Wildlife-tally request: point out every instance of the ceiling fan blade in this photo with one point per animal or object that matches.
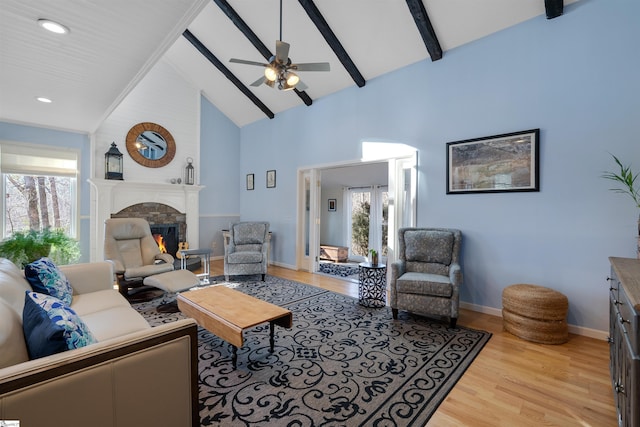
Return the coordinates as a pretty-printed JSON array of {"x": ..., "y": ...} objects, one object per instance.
[
  {"x": 310, "y": 66},
  {"x": 301, "y": 86},
  {"x": 243, "y": 61},
  {"x": 282, "y": 52},
  {"x": 259, "y": 81}
]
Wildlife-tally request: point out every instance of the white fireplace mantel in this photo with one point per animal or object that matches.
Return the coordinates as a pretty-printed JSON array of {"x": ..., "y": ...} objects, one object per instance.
[{"x": 111, "y": 196}]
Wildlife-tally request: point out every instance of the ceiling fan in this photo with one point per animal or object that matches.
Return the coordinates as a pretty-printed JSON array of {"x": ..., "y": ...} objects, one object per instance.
[{"x": 279, "y": 72}]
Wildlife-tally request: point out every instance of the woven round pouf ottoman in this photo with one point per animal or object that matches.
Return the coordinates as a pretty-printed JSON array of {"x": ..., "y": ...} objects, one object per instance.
[{"x": 535, "y": 313}]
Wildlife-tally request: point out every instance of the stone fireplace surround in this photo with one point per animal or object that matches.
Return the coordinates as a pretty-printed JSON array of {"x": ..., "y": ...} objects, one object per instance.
[{"x": 109, "y": 197}]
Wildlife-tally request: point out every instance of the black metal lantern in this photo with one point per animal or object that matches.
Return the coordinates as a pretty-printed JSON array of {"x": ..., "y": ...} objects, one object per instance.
[
  {"x": 189, "y": 172},
  {"x": 113, "y": 163}
]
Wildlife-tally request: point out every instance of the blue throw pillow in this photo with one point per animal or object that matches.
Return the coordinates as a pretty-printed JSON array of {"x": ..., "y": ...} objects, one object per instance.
[
  {"x": 46, "y": 278},
  {"x": 51, "y": 327}
]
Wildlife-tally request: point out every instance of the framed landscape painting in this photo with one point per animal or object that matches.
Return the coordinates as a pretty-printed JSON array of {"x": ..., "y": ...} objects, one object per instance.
[{"x": 494, "y": 164}]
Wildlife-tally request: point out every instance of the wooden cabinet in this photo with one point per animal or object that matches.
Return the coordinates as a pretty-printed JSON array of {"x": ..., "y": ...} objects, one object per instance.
[{"x": 624, "y": 338}]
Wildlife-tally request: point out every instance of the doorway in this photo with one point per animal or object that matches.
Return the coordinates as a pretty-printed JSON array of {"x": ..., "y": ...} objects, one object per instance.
[{"x": 329, "y": 214}]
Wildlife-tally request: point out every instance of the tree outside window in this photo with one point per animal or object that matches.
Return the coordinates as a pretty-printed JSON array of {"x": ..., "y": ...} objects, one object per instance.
[
  {"x": 361, "y": 222},
  {"x": 38, "y": 203}
]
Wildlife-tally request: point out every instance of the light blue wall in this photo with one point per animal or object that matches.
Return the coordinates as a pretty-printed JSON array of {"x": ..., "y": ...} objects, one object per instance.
[
  {"x": 220, "y": 160},
  {"x": 574, "y": 77},
  {"x": 57, "y": 138},
  {"x": 332, "y": 223}
]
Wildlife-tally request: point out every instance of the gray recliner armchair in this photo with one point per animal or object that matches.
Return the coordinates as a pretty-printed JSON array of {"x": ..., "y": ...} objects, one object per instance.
[
  {"x": 130, "y": 246},
  {"x": 427, "y": 277},
  {"x": 246, "y": 250}
]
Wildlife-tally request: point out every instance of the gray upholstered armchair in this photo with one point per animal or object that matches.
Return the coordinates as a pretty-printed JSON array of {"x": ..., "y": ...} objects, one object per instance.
[
  {"x": 246, "y": 250},
  {"x": 427, "y": 277},
  {"x": 130, "y": 246}
]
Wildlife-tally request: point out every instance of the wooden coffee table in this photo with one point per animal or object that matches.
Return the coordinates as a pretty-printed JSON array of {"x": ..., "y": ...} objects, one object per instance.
[{"x": 227, "y": 313}]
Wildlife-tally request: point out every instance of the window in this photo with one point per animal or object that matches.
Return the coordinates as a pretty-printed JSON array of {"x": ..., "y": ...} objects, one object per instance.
[
  {"x": 368, "y": 209},
  {"x": 39, "y": 185}
]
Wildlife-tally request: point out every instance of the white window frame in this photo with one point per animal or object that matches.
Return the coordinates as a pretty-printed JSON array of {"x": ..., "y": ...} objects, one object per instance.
[{"x": 31, "y": 159}]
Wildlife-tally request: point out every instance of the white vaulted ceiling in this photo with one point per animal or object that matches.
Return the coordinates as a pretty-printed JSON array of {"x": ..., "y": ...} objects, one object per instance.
[{"x": 112, "y": 44}]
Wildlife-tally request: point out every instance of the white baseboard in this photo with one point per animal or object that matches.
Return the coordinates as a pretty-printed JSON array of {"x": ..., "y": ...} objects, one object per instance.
[
  {"x": 283, "y": 265},
  {"x": 482, "y": 309},
  {"x": 574, "y": 329}
]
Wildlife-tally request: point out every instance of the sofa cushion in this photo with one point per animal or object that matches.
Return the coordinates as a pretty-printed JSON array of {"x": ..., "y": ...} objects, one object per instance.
[
  {"x": 432, "y": 246},
  {"x": 246, "y": 233},
  {"x": 13, "y": 285},
  {"x": 46, "y": 278},
  {"x": 115, "y": 322},
  {"x": 424, "y": 284},
  {"x": 244, "y": 257},
  {"x": 13, "y": 349},
  {"x": 51, "y": 327},
  {"x": 92, "y": 302}
]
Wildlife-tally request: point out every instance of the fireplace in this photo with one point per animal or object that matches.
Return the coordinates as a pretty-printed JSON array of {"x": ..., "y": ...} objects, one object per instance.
[
  {"x": 163, "y": 204},
  {"x": 167, "y": 236}
]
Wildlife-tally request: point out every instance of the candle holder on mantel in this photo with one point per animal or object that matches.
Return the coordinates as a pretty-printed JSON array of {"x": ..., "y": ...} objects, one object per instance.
[
  {"x": 189, "y": 172},
  {"x": 113, "y": 163}
]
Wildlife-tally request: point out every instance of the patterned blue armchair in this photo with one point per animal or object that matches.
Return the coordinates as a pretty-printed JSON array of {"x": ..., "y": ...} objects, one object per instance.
[
  {"x": 427, "y": 277},
  {"x": 246, "y": 250}
]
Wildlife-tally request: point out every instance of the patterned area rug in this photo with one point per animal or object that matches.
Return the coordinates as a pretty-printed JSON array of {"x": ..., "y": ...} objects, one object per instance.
[
  {"x": 341, "y": 363},
  {"x": 343, "y": 270}
]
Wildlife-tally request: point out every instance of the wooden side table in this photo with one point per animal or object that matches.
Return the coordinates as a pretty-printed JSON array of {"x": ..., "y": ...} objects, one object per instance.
[{"x": 372, "y": 285}]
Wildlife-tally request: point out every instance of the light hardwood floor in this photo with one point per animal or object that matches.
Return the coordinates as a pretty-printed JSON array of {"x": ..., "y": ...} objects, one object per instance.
[{"x": 512, "y": 382}]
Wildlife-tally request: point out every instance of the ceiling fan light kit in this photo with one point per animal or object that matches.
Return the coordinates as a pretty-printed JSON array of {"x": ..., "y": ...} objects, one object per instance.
[
  {"x": 292, "y": 79},
  {"x": 271, "y": 74},
  {"x": 277, "y": 72}
]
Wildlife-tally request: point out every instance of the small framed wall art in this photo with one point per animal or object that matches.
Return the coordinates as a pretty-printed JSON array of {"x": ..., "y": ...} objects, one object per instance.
[
  {"x": 250, "y": 181},
  {"x": 271, "y": 179},
  {"x": 332, "y": 205},
  {"x": 494, "y": 164}
]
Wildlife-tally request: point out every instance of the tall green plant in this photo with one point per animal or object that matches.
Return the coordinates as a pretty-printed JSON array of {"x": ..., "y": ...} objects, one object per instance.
[
  {"x": 24, "y": 247},
  {"x": 626, "y": 179},
  {"x": 360, "y": 229}
]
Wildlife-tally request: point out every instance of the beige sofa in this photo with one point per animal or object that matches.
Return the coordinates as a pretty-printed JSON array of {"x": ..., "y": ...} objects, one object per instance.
[{"x": 134, "y": 375}]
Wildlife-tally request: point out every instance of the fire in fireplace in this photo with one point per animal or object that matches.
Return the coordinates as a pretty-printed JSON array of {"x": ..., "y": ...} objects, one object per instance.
[
  {"x": 166, "y": 236},
  {"x": 160, "y": 241}
]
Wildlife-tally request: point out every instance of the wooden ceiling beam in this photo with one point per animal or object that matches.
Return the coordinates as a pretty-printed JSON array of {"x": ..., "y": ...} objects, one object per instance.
[
  {"x": 554, "y": 8},
  {"x": 255, "y": 40},
  {"x": 419, "y": 13},
  {"x": 333, "y": 41},
  {"x": 227, "y": 73}
]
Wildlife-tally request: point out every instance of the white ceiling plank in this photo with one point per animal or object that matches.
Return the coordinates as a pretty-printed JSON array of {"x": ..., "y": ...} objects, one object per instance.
[{"x": 112, "y": 45}]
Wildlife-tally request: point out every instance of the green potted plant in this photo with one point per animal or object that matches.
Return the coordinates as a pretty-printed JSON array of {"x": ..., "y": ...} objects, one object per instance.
[
  {"x": 24, "y": 247},
  {"x": 626, "y": 180},
  {"x": 374, "y": 256}
]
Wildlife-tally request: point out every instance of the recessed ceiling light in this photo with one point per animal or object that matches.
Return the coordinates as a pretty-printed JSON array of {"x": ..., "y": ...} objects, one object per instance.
[
  {"x": 45, "y": 100},
  {"x": 53, "y": 26}
]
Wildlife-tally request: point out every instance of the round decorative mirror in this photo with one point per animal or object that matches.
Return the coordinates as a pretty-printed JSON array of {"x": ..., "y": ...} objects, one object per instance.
[{"x": 151, "y": 145}]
